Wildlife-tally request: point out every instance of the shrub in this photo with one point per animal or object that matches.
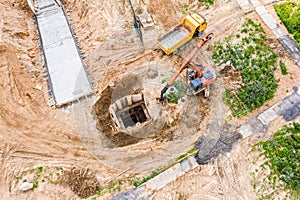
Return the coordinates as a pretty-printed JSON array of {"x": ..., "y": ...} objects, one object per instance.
[
  {"x": 208, "y": 2},
  {"x": 289, "y": 14},
  {"x": 174, "y": 97},
  {"x": 251, "y": 56},
  {"x": 283, "y": 68},
  {"x": 282, "y": 155}
]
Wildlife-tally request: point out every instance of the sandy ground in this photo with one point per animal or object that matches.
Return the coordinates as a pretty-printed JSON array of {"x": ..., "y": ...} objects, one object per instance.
[
  {"x": 32, "y": 134},
  {"x": 232, "y": 176}
]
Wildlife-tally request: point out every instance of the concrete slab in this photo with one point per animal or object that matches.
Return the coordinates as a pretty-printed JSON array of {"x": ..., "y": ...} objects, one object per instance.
[
  {"x": 68, "y": 77},
  {"x": 283, "y": 106},
  {"x": 267, "y": 116},
  {"x": 289, "y": 44},
  {"x": 251, "y": 127},
  {"x": 256, "y": 3},
  {"x": 54, "y": 29},
  {"x": 298, "y": 91},
  {"x": 245, "y": 130},
  {"x": 269, "y": 20},
  {"x": 192, "y": 161},
  {"x": 261, "y": 10},
  {"x": 189, "y": 164},
  {"x": 185, "y": 165},
  {"x": 244, "y": 4},
  {"x": 278, "y": 32},
  {"x": 294, "y": 98},
  {"x": 164, "y": 178}
]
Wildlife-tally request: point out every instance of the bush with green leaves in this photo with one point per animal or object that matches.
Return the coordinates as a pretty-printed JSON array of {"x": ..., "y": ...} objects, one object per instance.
[
  {"x": 174, "y": 97},
  {"x": 282, "y": 157},
  {"x": 283, "y": 68},
  {"x": 289, "y": 14},
  {"x": 249, "y": 54},
  {"x": 208, "y": 2}
]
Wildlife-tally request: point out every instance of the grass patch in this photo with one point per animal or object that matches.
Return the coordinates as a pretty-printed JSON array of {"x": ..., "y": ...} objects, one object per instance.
[
  {"x": 164, "y": 80},
  {"x": 191, "y": 152},
  {"x": 289, "y": 14},
  {"x": 174, "y": 97},
  {"x": 282, "y": 155},
  {"x": 249, "y": 54},
  {"x": 139, "y": 181},
  {"x": 283, "y": 68},
  {"x": 208, "y": 2}
]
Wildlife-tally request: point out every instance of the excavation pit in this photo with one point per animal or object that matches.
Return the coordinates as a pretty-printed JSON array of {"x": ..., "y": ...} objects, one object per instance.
[{"x": 129, "y": 111}]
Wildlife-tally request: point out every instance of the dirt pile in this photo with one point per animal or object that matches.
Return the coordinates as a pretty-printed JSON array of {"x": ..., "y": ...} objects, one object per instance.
[
  {"x": 232, "y": 78},
  {"x": 31, "y": 132},
  {"x": 82, "y": 182},
  {"x": 209, "y": 149},
  {"x": 164, "y": 12}
]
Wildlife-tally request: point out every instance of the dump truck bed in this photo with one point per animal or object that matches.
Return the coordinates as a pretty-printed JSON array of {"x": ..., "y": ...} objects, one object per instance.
[
  {"x": 182, "y": 33},
  {"x": 173, "y": 37}
]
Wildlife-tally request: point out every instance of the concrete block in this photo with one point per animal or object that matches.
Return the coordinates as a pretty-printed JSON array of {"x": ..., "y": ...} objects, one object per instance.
[
  {"x": 278, "y": 32},
  {"x": 137, "y": 98},
  {"x": 245, "y": 5},
  {"x": 252, "y": 126},
  {"x": 192, "y": 161},
  {"x": 298, "y": 91},
  {"x": 245, "y": 130},
  {"x": 129, "y": 100},
  {"x": 294, "y": 98},
  {"x": 124, "y": 102},
  {"x": 269, "y": 20},
  {"x": 164, "y": 178},
  {"x": 261, "y": 10},
  {"x": 283, "y": 106},
  {"x": 185, "y": 165},
  {"x": 267, "y": 116},
  {"x": 256, "y": 3},
  {"x": 119, "y": 104}
]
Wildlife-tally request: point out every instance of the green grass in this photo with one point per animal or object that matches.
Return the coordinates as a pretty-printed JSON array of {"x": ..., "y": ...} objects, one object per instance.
[
  {"x": 256, "y": 62},
  {"x": 283, "y": 68},
  {"x": 282, "y": 158},
  {"x": 289, "y": 14},
  {"x": 139, "y": 181},
  {"x": 208, "y": 2},
  {"x": 174, "y": 97},
  {"x": 191, "y": 152}
]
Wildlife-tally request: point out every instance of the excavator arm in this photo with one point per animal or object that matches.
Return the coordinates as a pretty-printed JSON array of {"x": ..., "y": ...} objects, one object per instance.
[{"x": 184, "y": 65}]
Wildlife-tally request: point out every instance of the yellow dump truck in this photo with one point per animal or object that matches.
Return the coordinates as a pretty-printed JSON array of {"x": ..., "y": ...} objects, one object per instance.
[{"x": 191, "y": 25}]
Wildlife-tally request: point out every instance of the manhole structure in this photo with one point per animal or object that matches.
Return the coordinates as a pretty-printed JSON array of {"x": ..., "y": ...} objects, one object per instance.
[{"x": 125, "y": 127}]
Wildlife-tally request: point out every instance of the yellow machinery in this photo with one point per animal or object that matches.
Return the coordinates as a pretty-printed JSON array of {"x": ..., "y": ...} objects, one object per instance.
[{"x": 192, "y": 25}]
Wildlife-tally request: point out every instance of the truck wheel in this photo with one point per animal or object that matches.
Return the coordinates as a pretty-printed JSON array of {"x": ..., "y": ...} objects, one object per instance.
[{"x": 198, "y": 34}]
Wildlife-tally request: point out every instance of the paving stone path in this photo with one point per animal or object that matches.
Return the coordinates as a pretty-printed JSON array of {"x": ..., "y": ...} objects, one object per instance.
[
  {"x": 288, "y": 43},
  {"x": 288, "y": 108}
]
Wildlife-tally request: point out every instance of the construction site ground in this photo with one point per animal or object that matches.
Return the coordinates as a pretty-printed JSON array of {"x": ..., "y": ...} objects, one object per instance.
[{"x": 34, "y": 135}]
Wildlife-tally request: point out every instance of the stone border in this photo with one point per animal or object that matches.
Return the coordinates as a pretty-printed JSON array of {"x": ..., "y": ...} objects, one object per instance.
[
  {"x": 285, "y": 40},
  {"x": 287, "y": 107}
]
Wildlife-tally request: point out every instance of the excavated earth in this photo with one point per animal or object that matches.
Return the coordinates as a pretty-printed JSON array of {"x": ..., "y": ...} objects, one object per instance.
[{"x": 80, "y": 138}]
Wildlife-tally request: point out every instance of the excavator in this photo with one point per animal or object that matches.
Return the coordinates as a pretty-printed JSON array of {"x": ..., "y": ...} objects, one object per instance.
[{"x": 200, "y": 77}]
